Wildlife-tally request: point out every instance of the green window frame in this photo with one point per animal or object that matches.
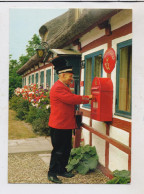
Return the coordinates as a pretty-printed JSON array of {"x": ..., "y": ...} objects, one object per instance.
[
  {"x": 42, "y": 78},
  {"x": 123, "y": 105},
  {"x": 22, "y": 82},
  {"x": 33, "y": 78},
  {"x": 29, "y": 79},
  {"x": 93, "y": 68},
  {"x": 25, "y": 81},
  {"x": 48, "y": 78},
  {"x": 37, "y": 78}
]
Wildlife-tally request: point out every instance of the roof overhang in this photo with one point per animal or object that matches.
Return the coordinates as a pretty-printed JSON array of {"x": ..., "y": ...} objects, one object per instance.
[
  {"x": 35, "y": 60},
  {"x": 64, "y": 52}
]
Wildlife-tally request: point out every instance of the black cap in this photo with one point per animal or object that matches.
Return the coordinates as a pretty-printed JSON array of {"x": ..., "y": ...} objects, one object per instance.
[{"x": 61, "y": 65}]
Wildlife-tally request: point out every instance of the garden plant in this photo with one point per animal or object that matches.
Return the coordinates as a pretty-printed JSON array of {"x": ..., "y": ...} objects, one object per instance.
[
  {"x": 32, "y": 105},
  {"x": 120, "y": 177},
  {"x": 83, "y": 159}
]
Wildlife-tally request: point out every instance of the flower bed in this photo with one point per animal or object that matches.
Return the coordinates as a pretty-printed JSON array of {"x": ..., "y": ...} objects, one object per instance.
[
  {"x": 36, "y": 96},
  {"x": 32, "y": 105}
]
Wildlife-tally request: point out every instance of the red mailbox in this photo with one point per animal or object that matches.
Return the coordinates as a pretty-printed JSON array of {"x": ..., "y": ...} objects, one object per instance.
[{"x": 101, "y": 105}]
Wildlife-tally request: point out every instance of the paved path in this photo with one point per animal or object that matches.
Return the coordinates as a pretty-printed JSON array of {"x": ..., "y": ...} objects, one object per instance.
[
  {"x": 39, "y": 144},
  {"x": 25, "y": 163}
]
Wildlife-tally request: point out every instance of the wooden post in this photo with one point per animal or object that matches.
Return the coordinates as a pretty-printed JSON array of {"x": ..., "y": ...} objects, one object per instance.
[
  {"x": 107, "y": 147},
  {"x": 90, "y": 133},
  {"x": 77, "y": 138}
]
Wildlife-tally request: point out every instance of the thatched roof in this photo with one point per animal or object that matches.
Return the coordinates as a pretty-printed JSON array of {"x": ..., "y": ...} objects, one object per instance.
[{"x": 64, "y": 29}]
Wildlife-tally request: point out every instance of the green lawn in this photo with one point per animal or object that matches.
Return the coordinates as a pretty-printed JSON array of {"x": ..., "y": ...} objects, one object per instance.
[{"x": 19, "y": 129}]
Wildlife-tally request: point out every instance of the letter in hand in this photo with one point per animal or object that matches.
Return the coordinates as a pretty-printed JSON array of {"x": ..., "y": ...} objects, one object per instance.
[{"x": 90, "y": 97}]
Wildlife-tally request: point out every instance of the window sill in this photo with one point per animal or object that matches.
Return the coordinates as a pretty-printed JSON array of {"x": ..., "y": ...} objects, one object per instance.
[
  {"x": 86, "y": 106},
  {"x": 123, "y": 115}
]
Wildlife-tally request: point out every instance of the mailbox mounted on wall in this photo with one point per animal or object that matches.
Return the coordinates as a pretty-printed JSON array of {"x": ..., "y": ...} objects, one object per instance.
[{"x": 101, "y": 105}]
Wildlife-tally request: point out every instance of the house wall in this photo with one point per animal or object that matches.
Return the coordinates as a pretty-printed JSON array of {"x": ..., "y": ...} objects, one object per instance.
[
  {"x": 39, "y": 69},
  {"x": 93, "y": 41}
]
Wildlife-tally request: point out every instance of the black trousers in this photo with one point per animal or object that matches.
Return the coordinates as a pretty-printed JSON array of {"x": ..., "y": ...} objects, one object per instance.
[{"x": 62, "y": 144}]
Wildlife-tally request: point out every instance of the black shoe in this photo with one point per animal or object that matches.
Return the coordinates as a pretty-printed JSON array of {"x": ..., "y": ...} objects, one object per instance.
[
  {"x": 66, "y": 174},
  {"x": 54, "y": 179}
]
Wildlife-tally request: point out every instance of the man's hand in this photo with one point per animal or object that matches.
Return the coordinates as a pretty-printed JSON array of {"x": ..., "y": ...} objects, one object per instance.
[{"x": 90, "y": 97}]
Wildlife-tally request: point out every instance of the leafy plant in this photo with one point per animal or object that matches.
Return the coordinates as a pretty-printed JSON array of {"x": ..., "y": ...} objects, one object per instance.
[
  {"x": 120, "y": 177},
  {"x": 20, "y": 105},
  {"x": 83, "y": 159},
  {"x": 32, "y": 114}
]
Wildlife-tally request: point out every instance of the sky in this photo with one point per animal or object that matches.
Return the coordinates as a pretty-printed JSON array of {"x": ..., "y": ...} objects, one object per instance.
[{"x": 24, "y": 23}]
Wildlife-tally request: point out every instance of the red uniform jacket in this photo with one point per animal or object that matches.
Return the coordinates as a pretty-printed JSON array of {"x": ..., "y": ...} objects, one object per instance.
[{"x": 62, "y": 102}]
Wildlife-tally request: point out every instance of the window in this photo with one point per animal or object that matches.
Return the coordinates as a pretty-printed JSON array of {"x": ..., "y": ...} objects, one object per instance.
[
  {"x": 22, "y": 82},
  {"x": 29, "y": 80},
  {"x": 36, "y": 78},
  {"x": 93, "y": 68},
  {"x": 48, "y": 78},
  {"x": 42, "y": 78},
  {"x": 124, "y": 79},
  {"x": 33, "y": 78}
]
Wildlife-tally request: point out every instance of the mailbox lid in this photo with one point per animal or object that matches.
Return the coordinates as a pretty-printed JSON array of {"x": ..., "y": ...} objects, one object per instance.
[{"x": 102, "y": 84}]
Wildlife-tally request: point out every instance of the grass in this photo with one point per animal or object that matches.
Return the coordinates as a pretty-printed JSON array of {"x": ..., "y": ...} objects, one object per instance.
[{"x": 19, "y": 129}]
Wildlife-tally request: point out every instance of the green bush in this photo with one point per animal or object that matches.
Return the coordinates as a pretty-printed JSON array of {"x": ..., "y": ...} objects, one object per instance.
[
  {"x": 37, "y": 116},
  {"x": 32, "y": 114},
  {"x": 13, "y": 102},
  {"x": 40, "y": 123},
  {"x": 20, "y": 105},
  {"x": 83, "y": 159},
  {"x": 120, "y": 177}
]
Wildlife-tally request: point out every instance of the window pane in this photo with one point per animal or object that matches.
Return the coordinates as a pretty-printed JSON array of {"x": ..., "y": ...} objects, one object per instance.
[
  {"x": 48, "y": 78},
  {"x": 42, "y": 78},
  {"x": 29, "y": 80},
  {"x": 32, "y": 78},
  {"x": 88, "y": 76},
  {"x": 36, "y": 78},
  {"x": 125, "y": 78},
  {"x": 97, "y": 65}
]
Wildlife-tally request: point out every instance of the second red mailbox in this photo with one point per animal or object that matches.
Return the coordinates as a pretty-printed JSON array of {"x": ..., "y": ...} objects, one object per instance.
[{"x": 101, "y": 105}]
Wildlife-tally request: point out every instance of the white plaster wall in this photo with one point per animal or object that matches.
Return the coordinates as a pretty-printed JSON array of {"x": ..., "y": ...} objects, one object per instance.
[
  {"x": 82, "y": 79},
  {"x": 38, "y": 78},
  {"x": 91, "y": 36},
  {"x": 98, "y": 142},
  {"x": 118, "y": 160},
  {"x": 113, "y": 74},
  {"x": 27, "y": 80},
  {"x": 85, "y": 133},
  {"x": 99, "y": 126},
  {"x": 120, "y": 19},
  {"x": 82, "y": 75},
  {"x": 100, "y": 148},
  {"x": 119, "y": 135}
]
